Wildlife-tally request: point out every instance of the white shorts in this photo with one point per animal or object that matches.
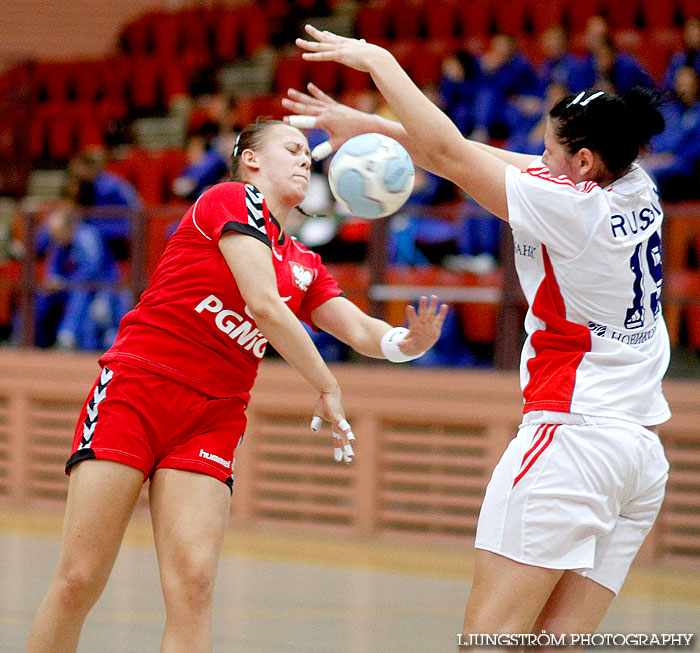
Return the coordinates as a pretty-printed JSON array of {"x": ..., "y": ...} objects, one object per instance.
[{"x": 579, "y": 496}]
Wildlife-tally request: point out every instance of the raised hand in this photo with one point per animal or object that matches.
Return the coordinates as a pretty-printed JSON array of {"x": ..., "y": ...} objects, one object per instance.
[
  {"x": 319, "y": 110},
  {"x": 355, "y": 53},
  {"x": 424, "y": 326}
]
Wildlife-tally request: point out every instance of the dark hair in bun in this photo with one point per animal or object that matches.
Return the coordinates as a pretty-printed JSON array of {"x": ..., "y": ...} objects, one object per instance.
[{"x": 615, "y": 127}]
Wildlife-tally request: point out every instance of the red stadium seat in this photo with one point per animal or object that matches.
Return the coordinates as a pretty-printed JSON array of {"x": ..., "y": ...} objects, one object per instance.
[
  {"x": 252, "y": 107},
  {"x": 37, "y": 137},
  {"x": 325, "y": 74},
  {"x": 255, "y": 34},
  {"x": 123, "y": 167},
  {"x": 166, "y": 36},
  {"x": 226, "y": 30},
  {"x": 290, "y": 72},
  {"x": 621, "y": 14},
  {"x": 172, "y": 163},
  {"x": 90, "y": 133},
  {"x": 352, "y": 80},
  {"x": 61, "y": 136},
  {"x": 173, "y": 81},
  {"x": 425, "y": 63},
  {"x": 51, "y": 81},
  {"x": 405, "y": 20},
  {"x": 441, "y": 20},
  {"x": 372, "y": 22},
  {"x": 148, "y": 178},
  {"x": 690, "y": 9},
  {"x": 547, "y": 14},
  {"x": 511, "y": 16},
  {"x": 655, "y": 55},
  {"x": 577, "y": 14},
  {"x": 658, "y": 15},
  {"x": 143, "y": 83},
  {"x": 86, "y": 80},
  {"x": 137, "y": 36},
  {"x": 193, "y": 25},
  {"x": 473, "y": 17}
]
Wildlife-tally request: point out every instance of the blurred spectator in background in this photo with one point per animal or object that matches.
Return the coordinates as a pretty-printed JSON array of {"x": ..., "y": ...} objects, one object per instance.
[
  {"x": 460, "y": 83},
  {"x": 688, "y": 56},
  {"x": 206, "y": 164},
  {"x": 92, "y": 186},
  {"x": 615, "y": 71},
  {"x": 67, "y": 313},
  {"x": 607, "y": 68},
  {"x": 527, "y": 130},
  {"x": 508, "y": 76},
  {"x": 675, "y": 158},
  {"x": 560, "y": 66}
]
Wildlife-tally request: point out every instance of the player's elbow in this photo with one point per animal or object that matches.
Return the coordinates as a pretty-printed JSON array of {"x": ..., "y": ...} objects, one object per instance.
[
  {"x": 264, "y": 306},
  {"x": 442, "y": 156}
]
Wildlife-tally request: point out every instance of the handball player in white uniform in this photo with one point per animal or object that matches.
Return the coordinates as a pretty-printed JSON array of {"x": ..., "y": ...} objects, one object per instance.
[{"x": 579, "y": 487}]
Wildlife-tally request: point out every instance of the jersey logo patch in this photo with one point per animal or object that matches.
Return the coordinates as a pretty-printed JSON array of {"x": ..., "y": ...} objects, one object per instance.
[
  {"x": 254, "y": 204},
  {"x": 301, "y": 276}
]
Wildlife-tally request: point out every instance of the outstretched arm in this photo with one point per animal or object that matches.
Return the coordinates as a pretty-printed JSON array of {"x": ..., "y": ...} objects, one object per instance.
[
  {"x": 476, "y": 170},
  {"x": 365, "y": 334},
  {"x": 343, "y": 122}
]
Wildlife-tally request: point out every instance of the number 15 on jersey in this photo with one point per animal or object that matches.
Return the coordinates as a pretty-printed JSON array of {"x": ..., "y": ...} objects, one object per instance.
[{"x": 647, "y": 252}]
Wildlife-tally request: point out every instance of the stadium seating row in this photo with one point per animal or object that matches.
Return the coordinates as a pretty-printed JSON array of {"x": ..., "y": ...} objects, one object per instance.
[
  {"x": 218, "y": 33},
  {"x": 151, "y": 173},
  {"x": 398, "y": 19}
]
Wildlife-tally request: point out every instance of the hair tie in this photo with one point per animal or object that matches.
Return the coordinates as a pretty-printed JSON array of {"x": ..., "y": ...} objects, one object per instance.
[
  {"x": 235, "y": 146},
  {"x": 579, "y": 98}
]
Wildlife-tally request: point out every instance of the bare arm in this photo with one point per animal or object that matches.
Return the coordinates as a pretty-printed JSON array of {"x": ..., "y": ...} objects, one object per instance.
[
  {"x": 471, "y": 166},
  {"x": 343, "y": 122},
  {"x": 250, "y": 262},
  {"x": 342, "y": 319}
]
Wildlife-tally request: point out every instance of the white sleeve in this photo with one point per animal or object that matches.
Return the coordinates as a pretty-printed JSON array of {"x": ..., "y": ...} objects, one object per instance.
[{"x": 553, "y": 210}]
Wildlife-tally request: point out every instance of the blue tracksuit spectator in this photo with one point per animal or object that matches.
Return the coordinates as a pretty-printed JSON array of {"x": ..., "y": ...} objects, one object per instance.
[
  {"x": 675, "y": 160},
  {"x": 460, "y": 84},
  {"x": 91, "y": 186},
  {"x": 205, "y": 171},
  {"x": 688, "y": 56},
  {"x": 76, "y": 253},
  {"x": 507, "y": 74},
  {"x": 611, "y": 70},
  {"x": 560, "y": 66}
]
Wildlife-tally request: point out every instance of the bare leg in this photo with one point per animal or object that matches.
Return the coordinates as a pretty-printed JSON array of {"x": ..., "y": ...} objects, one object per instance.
[
  {"x": 506, "y": 596},
  {"x": 190, "y": 516},
  {"x": 577, "y": 605},
  {"x": 101, "y": 498}
]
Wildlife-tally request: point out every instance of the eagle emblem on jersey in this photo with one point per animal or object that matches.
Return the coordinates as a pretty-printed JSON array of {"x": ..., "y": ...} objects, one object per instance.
[
  {"x": 301, "y": 276},
  {"x": 254, "y": 204}
]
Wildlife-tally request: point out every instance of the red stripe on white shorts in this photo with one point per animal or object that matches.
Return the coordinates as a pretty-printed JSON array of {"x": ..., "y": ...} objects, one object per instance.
[{"x": 546, "y": 435}]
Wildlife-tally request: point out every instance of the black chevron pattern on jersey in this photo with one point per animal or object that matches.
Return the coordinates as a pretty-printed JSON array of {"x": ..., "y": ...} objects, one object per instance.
[
  {"x": 254, "y": 204},
  {"x": 92, "y": 408}
]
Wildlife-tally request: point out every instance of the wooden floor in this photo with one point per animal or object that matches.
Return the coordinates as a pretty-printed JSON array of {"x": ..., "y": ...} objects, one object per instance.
[{"x": 280, "y": 592}]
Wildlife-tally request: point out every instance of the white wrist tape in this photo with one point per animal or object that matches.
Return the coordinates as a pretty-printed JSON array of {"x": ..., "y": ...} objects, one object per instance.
[{"x": 390, "y": 346}]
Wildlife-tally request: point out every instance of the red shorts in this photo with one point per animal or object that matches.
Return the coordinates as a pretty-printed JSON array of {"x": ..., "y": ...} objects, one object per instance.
[{"x": 148, "y": 421}]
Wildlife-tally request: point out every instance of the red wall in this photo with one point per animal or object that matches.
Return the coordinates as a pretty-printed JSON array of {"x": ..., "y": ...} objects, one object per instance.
[{"x": 63, "y": 29}]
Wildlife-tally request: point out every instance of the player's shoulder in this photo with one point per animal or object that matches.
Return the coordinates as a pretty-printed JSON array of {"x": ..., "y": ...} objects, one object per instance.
[
  {"x": 299, "y": 249},
  {"x": 224, "y": 190}
]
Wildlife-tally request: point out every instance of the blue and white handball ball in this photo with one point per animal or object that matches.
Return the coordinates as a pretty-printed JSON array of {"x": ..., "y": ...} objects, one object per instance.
[{"x": 371, "y": 175}]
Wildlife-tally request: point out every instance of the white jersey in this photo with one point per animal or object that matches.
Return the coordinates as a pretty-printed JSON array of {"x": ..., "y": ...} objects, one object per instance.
[{"x": 589, "y": 262}]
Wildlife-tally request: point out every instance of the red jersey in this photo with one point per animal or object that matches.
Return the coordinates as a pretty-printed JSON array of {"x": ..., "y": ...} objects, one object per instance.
[{"x": 191, "y": 323}]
